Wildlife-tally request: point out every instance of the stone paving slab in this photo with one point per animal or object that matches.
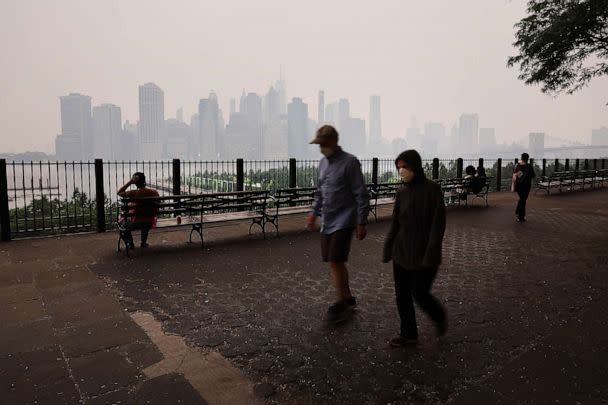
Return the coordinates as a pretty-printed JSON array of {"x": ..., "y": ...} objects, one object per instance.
[{"x": 524, "y": 302}]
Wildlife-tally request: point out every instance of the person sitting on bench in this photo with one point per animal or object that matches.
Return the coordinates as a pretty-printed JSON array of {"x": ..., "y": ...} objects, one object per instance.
[{"x": 141, "y": 216}]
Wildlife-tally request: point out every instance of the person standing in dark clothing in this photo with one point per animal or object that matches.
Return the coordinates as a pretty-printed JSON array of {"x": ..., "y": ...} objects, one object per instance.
[
  {"x": 414, "y": 243},
  {"x": 523, "y": 174}
]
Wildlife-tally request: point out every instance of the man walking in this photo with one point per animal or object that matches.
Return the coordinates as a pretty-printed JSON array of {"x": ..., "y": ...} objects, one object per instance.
[
  {"x": 523, "y": 173},
  {"x": 342, "y": 202}
]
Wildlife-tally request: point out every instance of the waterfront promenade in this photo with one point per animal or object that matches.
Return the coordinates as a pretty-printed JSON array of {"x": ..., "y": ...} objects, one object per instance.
[{"x": 241, "y": 321}]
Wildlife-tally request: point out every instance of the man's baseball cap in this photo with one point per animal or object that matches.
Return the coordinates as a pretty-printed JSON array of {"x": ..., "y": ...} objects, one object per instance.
[{"x": 325, "y": 134}]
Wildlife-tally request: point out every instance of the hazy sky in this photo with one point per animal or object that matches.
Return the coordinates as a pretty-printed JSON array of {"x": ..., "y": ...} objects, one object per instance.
[{"x": 433, "y": 59}]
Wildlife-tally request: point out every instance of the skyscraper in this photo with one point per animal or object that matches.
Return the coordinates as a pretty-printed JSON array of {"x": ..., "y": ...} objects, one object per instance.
[
  {"x": 352, "y": 136},
  {"x": 178, "y": 133},
  {"x": 281, "y": 89},
  {"x": 208, "y": 142},
  {"x": 151, "y": 121},
  {"x": 434, "y": 135},
  {"x": 252, "y": 108},
  {"x": 469, "y": 133},
  {"x": 375, "y": 121},
  {"x": 343, "y": 112},
  {"x": 107, "y": 130},
  {"x": 297, "y": 129},
  {"x": 321, "y": 108},
  {"x": 271, "y": 107},
  {"x": 179, "y": 114},
  {"x": 76, "y": 138},
  {"x": 232, "y": 107}
]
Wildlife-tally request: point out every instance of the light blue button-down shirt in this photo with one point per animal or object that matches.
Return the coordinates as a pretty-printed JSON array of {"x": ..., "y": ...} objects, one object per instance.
[{"x": 341, "y": 199}]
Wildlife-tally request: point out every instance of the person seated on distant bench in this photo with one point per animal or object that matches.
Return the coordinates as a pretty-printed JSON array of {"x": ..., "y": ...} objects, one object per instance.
[
  {"x": 481, "y": 172},
  {"x": 470, "y": 184},
  {"x": 141, "y": 216},
  {"x": 478, "y": 182}
]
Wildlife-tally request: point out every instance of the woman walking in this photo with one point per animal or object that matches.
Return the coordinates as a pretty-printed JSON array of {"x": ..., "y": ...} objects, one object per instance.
[{"x": 414, "y": 244}]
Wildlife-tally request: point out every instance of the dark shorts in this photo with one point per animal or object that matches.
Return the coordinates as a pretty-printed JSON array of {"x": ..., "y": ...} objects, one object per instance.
[{"x": 335, "y": 247}]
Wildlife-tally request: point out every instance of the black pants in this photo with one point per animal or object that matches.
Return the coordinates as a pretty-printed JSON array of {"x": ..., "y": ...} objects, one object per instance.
[
  {"x": 144, "y": 227},
  {"x": 523, "y": 193},
  {"x": 415, "y": 284}
]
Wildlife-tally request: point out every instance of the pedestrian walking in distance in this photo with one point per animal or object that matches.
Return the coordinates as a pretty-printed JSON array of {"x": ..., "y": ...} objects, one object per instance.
[
  {"x": 342, "y": 202},
  {"x": 523, "y": 174},
  {"x": 414, "y": 243}
]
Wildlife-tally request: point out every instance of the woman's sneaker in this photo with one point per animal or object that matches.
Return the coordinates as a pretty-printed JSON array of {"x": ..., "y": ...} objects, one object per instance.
[
  {"x": 351, "y": 302},
  {"x": 402, "y": 341},
  {"x": 338, "y": 312}
]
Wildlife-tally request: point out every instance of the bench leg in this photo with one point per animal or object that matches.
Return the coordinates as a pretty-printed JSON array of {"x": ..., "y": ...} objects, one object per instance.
[
  {"x": 198, "y": 228},
  {"x": 260, "y": 222},
  {"x": 274, "y": 220},
  {"x": 121, "y": 237}
]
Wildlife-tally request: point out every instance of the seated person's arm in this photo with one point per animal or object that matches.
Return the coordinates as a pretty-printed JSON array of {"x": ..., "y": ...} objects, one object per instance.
[{"x": 122, "y": 192}]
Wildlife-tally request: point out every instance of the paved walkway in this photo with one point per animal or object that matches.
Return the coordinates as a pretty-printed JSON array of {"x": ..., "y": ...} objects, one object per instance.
[{"x": 175, "y": 323}]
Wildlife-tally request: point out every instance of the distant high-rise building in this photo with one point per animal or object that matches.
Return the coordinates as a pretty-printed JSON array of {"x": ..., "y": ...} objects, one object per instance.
[
  {"x": 252, "y": 108},
  {"x": 238, "y": 136},
  {"x": 127, "y": 149},
  {"x": 275, "y": 140},
  {"x": 242, "y": 101},
  {"x": 331, "y": 114},
  {"x": 434, "y": 135},
  {"x": 76, "y": 139},
  {"x": 352, "y": 137},
  {"x": 321, "y": 108},
  {"x": 469, "y": 133},
  {"x": 536, "y": 145},
  {"x": 343, "y": 112},
  {"x": 151, "y": 121},
  {"x": 414, "y": 135},
  {"x": 107, "y": 130},
  {"x": 375, "y": 121},
  {"x": 281, "y": 89},
  {"x": 179, "y": 114},
  {"x": 297, "y": 129},
  {"x": 209, "y": 128},
  {"x": 271, "y": 107},
  {"x": 599, "y": 137},
  {"x": 487, "y": 140},
  {"x": 178, "y": 134},
  {"x": 194, "y": 139},
  {"x": 232, "y": 106}
]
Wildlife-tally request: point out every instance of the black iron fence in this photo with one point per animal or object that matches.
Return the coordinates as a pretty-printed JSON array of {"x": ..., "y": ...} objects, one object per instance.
[{"x": 47, "y": 198}]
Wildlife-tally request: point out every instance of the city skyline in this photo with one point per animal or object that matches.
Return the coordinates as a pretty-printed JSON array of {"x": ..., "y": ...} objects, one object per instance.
[{"x": 400, "y": 54}]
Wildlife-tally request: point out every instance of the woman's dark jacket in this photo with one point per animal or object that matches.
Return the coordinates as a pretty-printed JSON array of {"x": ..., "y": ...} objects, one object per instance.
[{"x": 415, "y": 237}]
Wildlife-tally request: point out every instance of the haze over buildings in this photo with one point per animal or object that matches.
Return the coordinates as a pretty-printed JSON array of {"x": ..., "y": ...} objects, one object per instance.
[{"x": 335, "y": 65}]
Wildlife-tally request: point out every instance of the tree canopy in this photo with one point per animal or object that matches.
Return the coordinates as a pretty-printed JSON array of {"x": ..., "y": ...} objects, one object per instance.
[{"x": 562, "y": 44}]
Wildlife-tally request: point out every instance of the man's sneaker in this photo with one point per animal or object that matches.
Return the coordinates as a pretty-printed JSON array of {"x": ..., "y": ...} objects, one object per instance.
[
  {"x": 337, "y": 312},
  {"x": 131, "y": 245},
  {"x": 402, "y": 341},
  {"x": 351, "y": 302},
  {"x": 144, "y": 245}
]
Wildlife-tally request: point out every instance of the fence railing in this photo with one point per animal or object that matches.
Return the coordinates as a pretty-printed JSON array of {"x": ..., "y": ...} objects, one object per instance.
[{"x": 47, "y": 198}]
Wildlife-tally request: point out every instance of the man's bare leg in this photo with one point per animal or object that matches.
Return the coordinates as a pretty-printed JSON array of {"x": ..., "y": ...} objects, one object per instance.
[{"x": 339, "y": 274}]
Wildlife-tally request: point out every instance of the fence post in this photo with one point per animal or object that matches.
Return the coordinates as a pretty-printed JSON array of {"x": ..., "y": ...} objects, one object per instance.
[
  {"x": 240, "y": 175},
  {"x": 100, "y": 196},
  {"x": 480, "y": 162},
  {"x": 567, "y": 165},
  {"x": 603, "y": 163},
  {"x": 556, "y": 168},
  {"x": 498, "y": 174},
  {"x": 459, "y": 168},
  {"x": 5, "y": 218},
  {"x": 594, "y": 164},
  {"x": 544, "y": 173},
  {"x": 435, "y": 169},
  {"x": 177, "y": 177},
  {"x": 293, "y": 170},
  {"x": 375, "y": 171},
  {"x": 577, "y": 163},
  {"x": 586, "y": 164}
]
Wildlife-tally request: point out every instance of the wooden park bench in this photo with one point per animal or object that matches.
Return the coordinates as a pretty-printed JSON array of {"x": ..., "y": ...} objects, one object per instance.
[
  {"x": 196, "y": 212},
  {"x": 458, "y": 190}
]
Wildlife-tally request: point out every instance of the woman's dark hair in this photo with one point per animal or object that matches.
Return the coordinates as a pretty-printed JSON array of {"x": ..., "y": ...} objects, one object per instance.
[
  {"x": 481, "y": 171},
  {"x": 414, "y": 161},
  {"x": 142, "y": 179},
  {"x": 470, "y": 170}
]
